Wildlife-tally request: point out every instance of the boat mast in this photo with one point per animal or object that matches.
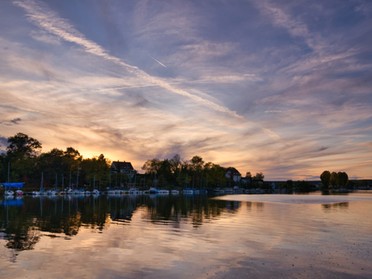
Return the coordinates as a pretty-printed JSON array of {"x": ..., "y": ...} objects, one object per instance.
[
  {"x": 8, "y": 171},
  {"x": 42, "y": 182}
]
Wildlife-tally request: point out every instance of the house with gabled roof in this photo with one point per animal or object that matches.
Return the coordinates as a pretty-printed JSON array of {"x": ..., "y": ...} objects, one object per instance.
[
  {"x": 122, "y": 168},
  {"x": 233, "y": 173}
]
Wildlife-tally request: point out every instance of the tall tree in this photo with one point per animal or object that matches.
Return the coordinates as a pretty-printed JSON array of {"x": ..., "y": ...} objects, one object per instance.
[
  {"x": 95, "y": 172},
  {"x": 22, "y": 146},
  {"x": 72, "y": 159},
  {"x": 259, "y": 177},
  {"x": 151, "y": 168},
  {"x": 325, "y": 178},
  {"x": 51, "y": 164},
  {"x": 21, "y": 156},
  {"x": 343, "y": 179},
  {"x": 72, "y": 153},
  {"x": 196, "y": 166},
  {"x": 215, "y": 175},
  {"x": 248, "y": 176},
  {"x": 175, "y": 164},
  {"x": 333, "y": 180}
]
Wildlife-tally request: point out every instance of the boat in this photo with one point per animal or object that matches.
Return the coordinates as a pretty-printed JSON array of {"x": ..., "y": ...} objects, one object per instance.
[
  {"x": 188, "y": 191},
  {"x": 163, "y": 192},
  {"x": 35, "y": 193},
  {"x": 12, "y": 185},
  {"x": 51, "y": 193},
  {"x": 77, "y": 192},
  {"x": 114, "y": 192},
  {"x": 134, "y": 191},
  {"x": 153, "y": 190},
  {"x": 9, "y": 193},
  {"x": 95, "y": 192},
  {"x": 41, "y": 191},
  {"x": 175, "y": 192},
  {"x": 19, "y": 193}
]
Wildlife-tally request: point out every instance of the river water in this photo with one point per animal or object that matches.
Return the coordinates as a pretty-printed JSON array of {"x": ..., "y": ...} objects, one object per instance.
[{"x": 237, "y": 236}]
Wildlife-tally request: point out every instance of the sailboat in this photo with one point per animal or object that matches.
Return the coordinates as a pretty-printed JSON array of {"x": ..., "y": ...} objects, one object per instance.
[
  {"x": 8, "y": 193},
  {"x": 41, "y": 191}
]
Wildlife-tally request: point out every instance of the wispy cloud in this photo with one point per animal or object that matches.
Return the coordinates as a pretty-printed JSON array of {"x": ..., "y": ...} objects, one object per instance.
[
  {"x": 177, "y": 77},
  {"x": 219, "y": 77},
  {"x": 45, "y": 37},
  {"x": 294, "y": 27},
  {"x": 15, "y": 121},
  {"x": 51, "y": 22}
]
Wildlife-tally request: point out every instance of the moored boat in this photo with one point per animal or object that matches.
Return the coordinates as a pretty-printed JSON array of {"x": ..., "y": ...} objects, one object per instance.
[
  {"x": 188, "y": 191},
  {"x": 19, "y": 193},
  {"x": 9, "y": 193},
  {"x": 134, "y": 191},
  {"x": 175, "y": 192},
  {"x": 95, "y": 192},
  {"x": 163, "y": 192}
]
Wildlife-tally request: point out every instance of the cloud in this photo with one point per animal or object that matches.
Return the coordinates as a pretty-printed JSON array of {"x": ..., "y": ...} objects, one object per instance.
[
  {"x": 221, "y": 77},
  {"x": 15, "y": 121},
  {"x": 323, "y": 148},
  {"x": 11, "y": 122},
  {"x": 299, "y": 76},
  {"x": 52, "y": 23},
  {"x": 296, "y": 28},
  {"x": 318, "y": 62},
  {"x": 45, "y": 37}
]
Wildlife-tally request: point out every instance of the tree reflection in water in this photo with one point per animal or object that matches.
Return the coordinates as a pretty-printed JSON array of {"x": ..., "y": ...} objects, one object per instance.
[
  {"x": 23, "y": 225},
  {"x": 335, "y": 206}
]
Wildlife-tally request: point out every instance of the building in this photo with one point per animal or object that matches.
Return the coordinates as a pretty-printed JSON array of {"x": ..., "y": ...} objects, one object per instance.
[
  {"x": 122, "y": 174},
  {"x": 122, "y": 168},
  {"x": 234, "y": 174}
]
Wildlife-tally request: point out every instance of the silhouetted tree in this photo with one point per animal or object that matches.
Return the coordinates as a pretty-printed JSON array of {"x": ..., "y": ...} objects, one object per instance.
[
  {"x": 214, "y": 175},
  {"x": 196, "y": 167},
  {"x": 343, "y": 179},
  {"x": 259, "y": 177},
  {"x": 334, "y": 179},
  {"x": 22, "y": 146},
  {"x": 302, "y": 186},
  {"x": 95, "y": 171},
  {"x": 151, "y": 168},
  {"x": 20, "y": 156},
  {"x": 289, "y": 186},
  {"x": 325, "y": 178},
  {"x": 248, "y": 176}
]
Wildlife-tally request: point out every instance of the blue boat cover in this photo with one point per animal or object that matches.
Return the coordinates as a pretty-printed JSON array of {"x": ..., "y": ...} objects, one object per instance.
[{"x": 13, "y": 184}]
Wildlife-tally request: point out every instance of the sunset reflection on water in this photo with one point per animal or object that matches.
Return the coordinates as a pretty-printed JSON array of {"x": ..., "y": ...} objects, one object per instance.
[{"x": 187, "y": 238}]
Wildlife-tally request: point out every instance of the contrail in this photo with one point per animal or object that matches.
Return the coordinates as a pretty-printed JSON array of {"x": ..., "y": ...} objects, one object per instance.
[
  {"x": 156, "y": 60},
  {"x": 51, "y": 22}
]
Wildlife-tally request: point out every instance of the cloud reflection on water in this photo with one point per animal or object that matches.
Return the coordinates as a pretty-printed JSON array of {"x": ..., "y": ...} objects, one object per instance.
[{"x": 204, "y": 238}]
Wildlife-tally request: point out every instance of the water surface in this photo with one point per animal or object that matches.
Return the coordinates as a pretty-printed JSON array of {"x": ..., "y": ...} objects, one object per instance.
[{"x": 255, "y": 236}]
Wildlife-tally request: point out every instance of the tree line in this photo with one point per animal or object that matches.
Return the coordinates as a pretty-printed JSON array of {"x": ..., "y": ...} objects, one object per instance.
[
  {"x": 195, "y": 173},
  {"x": 23, "y": 161}
]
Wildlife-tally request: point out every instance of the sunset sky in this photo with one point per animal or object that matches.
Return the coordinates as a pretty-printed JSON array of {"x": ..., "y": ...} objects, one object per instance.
[{"x": 279, "y": 87}]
